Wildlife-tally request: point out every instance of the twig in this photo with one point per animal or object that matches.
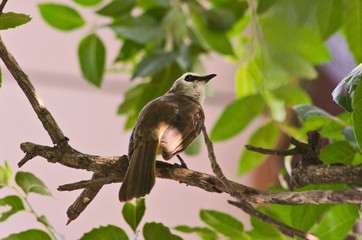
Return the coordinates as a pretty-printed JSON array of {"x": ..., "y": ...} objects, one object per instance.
[
  {"x": 242, "y": 197},
  {"x": 265, "y": 151},
  {"x": 22, "y": 79},
  {"x": 214, "y": 165},
  {"x": 84, "y": 199},
  {"x": 309, "y": 151},
  {"x": 287, "y": 230},
  {"x": 2, "y": 5},
  {"x": 88, "y": 183}
]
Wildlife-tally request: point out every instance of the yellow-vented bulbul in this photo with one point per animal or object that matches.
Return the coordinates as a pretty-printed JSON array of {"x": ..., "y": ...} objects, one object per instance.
[{"x": 166, "y": 125}]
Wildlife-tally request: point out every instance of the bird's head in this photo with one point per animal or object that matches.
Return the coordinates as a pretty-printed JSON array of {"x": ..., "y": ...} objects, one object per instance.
[{"x": 191, "y": 85}]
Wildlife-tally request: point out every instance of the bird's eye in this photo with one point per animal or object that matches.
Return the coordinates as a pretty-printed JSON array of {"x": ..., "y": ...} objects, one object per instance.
[{"x": 188, "y": 78}]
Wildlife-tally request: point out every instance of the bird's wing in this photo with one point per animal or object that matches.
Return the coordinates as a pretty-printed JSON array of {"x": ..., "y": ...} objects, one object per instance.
[{"x": 182, "y": 129}]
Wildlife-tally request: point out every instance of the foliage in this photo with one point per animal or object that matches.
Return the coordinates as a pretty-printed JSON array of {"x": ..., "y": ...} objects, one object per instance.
[
  {"x": 25, "y": 183},
  {"x": 275, "y": 44}
]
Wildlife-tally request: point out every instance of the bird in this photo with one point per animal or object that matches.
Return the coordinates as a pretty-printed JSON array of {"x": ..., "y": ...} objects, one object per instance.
[{"x": 167, "y": 125}]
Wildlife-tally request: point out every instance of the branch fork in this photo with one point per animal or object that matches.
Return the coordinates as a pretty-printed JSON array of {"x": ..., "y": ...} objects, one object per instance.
[{"x": 112, "y": 169}]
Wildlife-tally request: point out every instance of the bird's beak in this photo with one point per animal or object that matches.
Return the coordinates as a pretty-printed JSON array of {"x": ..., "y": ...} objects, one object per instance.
[{"x": 207, "y": 78}]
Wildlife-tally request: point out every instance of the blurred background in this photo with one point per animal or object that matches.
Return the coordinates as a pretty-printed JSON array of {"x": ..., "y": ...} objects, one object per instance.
[{"x": 88, "y": 117}]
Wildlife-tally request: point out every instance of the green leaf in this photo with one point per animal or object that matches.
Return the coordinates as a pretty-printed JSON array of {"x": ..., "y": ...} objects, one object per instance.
[
  {"x": 12, "y": 20},
  {"x": 357, "y": 114},
  {"x": 153, "y": 63},
  {"x": 305, "y": 216},
  {"x": 236, "y": 117},
  {"x": 244, "y": 81},
  {"x": 337, "y": 222},
  {"x": 133, "y": 213},
  {"x": 29, "y": 234},
  {"x": 44, "y": 220},
  {"x": 222, "y": 223},
  {"x": 88, "y": 3},
  {"x": 357, "y": 159},
  {"x": 203, "y": 232},
  {"x": 351, "y": 80},
  {"x": 349, "y": 135},
  {"x": 218, "y": 41},
  {"x": 140, "y": 29},
  {"x": 157, "y": 231},
  {"x": 294, "y": 64},
  {"x": 305, "y": 46},
  {"x": 264, "y": 5},
  {"x": 174, "y": 22},
  {"x": 353, "y": 28},
  {"x": 307, "y": 110},
  {"x": 116, "y": 8},
  {"x": 303, "y": 42},
  {"x": 332, "y": 130},
  {"x": 219, "y": 19},
  {"x": 12, "y": 201},
  {"x": 152, "y": 4},
  {"x": 262, "y": 230},
  {"x": 337, "y": 152},
  {"x": 292, "y": 95},
  {"x": 264, "y": 137},
  {"x": 264, "y": 71},
  {"x": 5, "y": 175},
  {"x": 30, "y": 183},
  {"x": 130, "y": 99},
  {"x": 128, "y": 51},
  {"x": 329, "y": 16},
  {"x": 92, "y": 58},
  {"x": 109, "y": 232},
  {"x": 60, "y": 16}
]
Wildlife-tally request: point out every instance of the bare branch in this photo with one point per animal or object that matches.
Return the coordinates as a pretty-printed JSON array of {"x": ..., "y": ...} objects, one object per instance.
[
  {"x": 84, "y": 199},
  {"x": 287, "y": 230},
  {"x": 326, "y": 174},
  {"x": 2, "y": 5},
  {"x": 112, "y": 169},
  {"x": 265, "y": 151},
  {"x": 22, "y": 79}
]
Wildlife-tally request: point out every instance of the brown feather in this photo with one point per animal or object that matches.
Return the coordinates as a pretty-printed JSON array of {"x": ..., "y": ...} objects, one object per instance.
[{"x": 176, "y": 122}]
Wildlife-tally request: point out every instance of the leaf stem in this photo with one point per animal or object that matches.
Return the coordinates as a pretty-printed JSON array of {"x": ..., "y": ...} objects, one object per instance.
[{"x": 31, "y": 210}]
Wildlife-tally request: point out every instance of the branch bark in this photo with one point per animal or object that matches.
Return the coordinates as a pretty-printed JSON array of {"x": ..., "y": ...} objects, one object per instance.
[
  {"x": 112, "y": 169},
  {"x": 23, "y": 81}
]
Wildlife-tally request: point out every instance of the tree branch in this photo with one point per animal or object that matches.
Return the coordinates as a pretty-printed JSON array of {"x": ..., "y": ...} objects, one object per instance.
[
  {"x": 2, "y": 5},
  {"x": 22, "y": 79},
  {"x": 287, "y": 230},
  {"x": 112, "y": 169},
  {"x": 241, "y": 196},
  {"x": 311, "y": 169}
]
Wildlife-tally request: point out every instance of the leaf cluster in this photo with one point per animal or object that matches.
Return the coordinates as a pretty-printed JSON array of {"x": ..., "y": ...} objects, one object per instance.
[
  {"x": 25, "y": 183},
  {"x": 160, "y": 40}
]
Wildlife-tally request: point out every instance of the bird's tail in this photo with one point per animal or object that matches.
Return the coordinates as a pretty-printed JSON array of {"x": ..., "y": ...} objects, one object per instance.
[{"x": 140, "y": 175}]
